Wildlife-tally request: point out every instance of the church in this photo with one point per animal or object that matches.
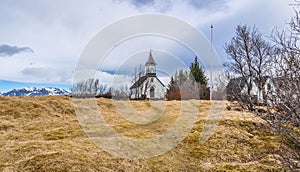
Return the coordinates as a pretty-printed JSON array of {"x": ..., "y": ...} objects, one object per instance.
[{"x": 148, "y": 86}]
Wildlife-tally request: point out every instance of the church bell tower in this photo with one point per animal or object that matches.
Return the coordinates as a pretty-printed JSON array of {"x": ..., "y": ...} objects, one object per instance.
[{"x": 150, "y": 66}]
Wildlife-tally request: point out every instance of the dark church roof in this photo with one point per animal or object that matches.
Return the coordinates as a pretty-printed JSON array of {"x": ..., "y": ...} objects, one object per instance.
[
  {"x": 139, "y": 82},
  {"x": 150, "y": 59},
  {"x": 142, "y": 79}
]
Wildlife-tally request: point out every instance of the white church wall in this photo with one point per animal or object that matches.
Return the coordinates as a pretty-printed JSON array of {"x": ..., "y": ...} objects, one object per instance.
[{"x": 159, "y": 90}]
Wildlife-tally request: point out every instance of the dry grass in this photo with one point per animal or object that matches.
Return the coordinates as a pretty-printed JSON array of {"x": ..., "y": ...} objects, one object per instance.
[{"x": 43, "y": 134}]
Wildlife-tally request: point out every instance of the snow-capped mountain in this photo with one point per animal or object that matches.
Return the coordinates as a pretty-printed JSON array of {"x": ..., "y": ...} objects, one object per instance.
[{"x": 36, "y": 91}]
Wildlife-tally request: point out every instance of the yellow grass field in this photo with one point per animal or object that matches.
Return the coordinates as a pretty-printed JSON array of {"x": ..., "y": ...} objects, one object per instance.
[{"x": 44, "y": 134}]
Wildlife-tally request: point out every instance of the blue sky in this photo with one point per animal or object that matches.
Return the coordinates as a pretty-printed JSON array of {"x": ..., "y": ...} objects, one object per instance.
[{"x": 41, "y": 41}]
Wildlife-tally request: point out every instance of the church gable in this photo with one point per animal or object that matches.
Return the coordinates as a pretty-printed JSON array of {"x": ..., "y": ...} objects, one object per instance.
[{"x": 148, "y": 86}]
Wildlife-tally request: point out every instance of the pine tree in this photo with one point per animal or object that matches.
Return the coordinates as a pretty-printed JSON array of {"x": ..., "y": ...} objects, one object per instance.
[
  {"x": 196, "y": 73},
  {"x": 188, "y": 81},
  {"x": 182, "y": 76}
]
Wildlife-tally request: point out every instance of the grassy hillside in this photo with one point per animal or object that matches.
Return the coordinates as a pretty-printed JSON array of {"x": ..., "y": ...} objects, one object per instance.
[{"x": 43, "y": 134}]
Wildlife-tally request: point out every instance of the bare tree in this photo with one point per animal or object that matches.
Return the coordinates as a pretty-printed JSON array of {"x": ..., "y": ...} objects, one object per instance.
[
  {"x": 287, "y": 100},
  {"x": 88, "y": 88},
  {"x": 138, "y": 79},
  {"x": 248, "y": 58},
  {"x": 140, "y": 75},
  {"x": 121, "y": 93},
  {"x": 252, "y": 58},
  {"x": 102, "y": 89},
  {"x": 135, "y": 79}
]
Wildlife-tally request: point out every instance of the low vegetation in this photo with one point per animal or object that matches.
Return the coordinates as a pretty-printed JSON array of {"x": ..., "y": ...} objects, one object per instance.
[{"x": 43, "y": 134}]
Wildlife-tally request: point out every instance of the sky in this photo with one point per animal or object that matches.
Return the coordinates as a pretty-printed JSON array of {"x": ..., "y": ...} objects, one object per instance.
[{"x": 41, "y": 41}]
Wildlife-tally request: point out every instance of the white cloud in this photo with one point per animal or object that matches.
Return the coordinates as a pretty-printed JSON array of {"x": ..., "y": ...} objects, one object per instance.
[
  {"x": 169, "y": 55},
  {"x": 46, "y": 74},
  {"x": 58, "y": 31}
]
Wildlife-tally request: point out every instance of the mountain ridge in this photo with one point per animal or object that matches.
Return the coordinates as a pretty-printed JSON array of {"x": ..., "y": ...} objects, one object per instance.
[{"x": 37, "y": 91}]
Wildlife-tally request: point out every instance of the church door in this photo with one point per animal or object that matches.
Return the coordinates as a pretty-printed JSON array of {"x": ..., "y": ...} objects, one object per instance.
[{"x": 152, "y": 92}]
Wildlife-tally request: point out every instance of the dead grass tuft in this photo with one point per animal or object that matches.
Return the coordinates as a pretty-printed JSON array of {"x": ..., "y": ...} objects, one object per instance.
[{"x": 43, "y": 134}]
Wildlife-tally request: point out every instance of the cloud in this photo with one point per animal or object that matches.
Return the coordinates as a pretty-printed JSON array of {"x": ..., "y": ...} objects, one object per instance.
[
  {"x": 208, "y": 4},
  {"x": 166, "y": 5},
  {"x": 46, "y": 74},
  {"x": 156, "y": 5},
  {"x": 7, "y": 50},
  {"x": 168, "y": 54},
  {"x": 139, "y": 3},
  {"x": 59, "y": 31}
]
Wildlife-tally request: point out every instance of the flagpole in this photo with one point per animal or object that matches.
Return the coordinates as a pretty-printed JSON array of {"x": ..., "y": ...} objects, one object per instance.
[{"x": 211, "y": 61}]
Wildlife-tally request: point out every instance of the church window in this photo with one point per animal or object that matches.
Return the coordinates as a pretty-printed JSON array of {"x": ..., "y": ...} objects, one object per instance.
[
  {"x": 269, "y": 87},
  {"x": 152, "y": 92}
]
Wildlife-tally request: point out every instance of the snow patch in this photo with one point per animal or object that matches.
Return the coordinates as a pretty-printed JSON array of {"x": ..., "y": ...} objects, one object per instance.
[{"x": 37, "y": 91}]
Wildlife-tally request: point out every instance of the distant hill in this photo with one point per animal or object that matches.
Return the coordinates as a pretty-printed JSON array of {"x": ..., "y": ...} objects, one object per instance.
[{"x": 36, "y": 91}]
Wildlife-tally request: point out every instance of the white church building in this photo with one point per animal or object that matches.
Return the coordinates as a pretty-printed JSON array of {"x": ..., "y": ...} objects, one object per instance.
[{"x": 148, "y": 86}]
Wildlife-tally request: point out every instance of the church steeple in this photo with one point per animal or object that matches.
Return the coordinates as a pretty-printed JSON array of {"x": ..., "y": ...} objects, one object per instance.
[{"x": 150, "y": 65}]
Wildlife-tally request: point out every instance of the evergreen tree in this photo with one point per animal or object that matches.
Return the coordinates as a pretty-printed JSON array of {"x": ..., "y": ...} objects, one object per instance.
[
  {"x": 182, "y": 76},
  {"x": 172, "y": 80},
  {"x": 185, "y": 83},
  {"x": 196, "y": 73}
]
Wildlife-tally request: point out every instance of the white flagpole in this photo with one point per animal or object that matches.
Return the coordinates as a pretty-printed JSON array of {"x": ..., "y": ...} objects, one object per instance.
[{"x": 211, "y": 61}]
